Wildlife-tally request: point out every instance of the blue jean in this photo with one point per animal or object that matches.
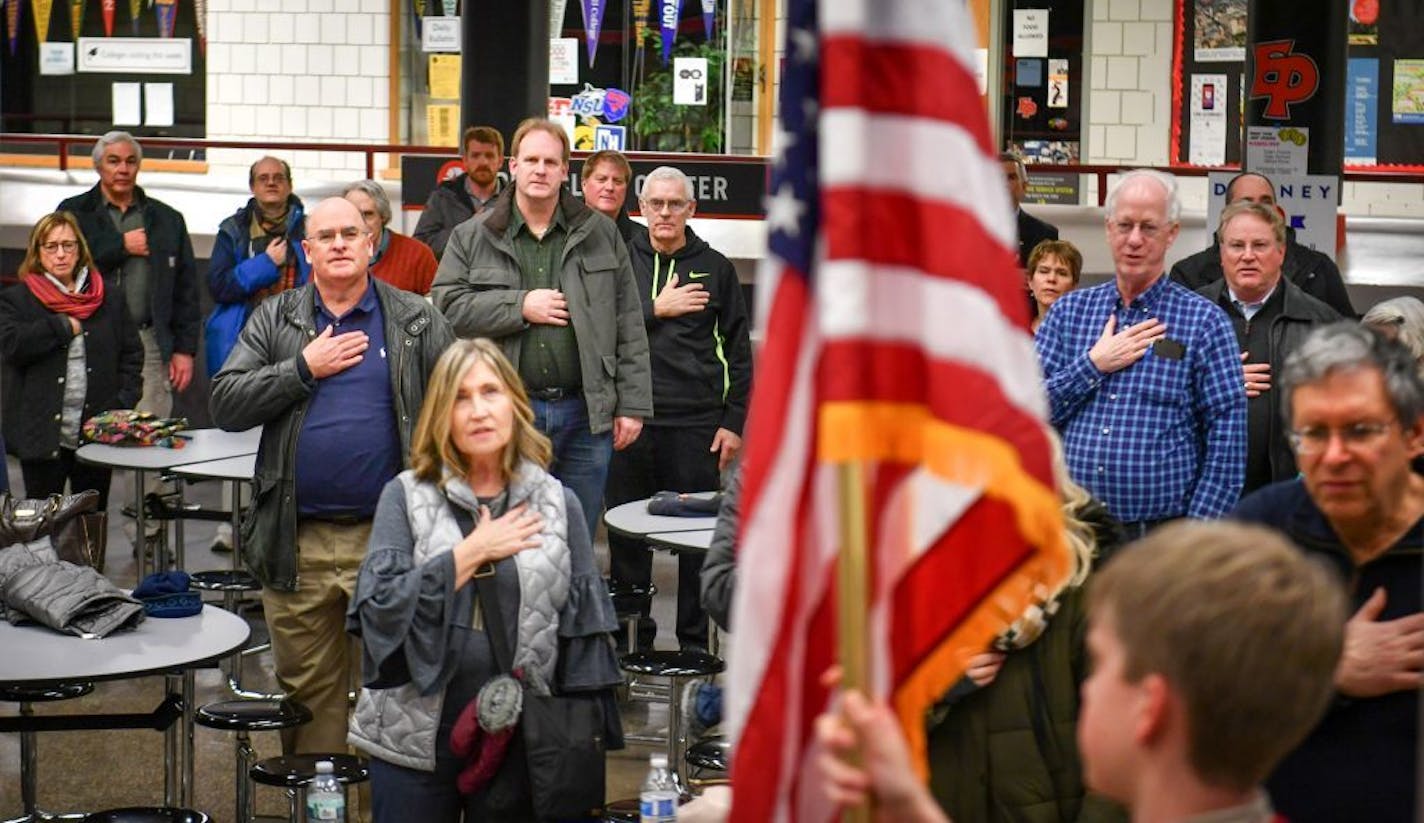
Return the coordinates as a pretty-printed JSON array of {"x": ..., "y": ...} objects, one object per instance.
[
  {"x": 399, "y": 794},
  {"x": 580, "y": 456}
]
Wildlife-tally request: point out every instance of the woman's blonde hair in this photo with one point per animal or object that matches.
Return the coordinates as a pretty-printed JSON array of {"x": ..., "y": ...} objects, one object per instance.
[
  {"x": 432, "y": 452},
  {"x": 31, "y": 264},
  {"x": 1082, "y": 540}
]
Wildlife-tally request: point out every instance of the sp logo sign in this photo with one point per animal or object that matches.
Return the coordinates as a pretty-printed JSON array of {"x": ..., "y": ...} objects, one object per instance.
[{"x": 1283, "y": 77}]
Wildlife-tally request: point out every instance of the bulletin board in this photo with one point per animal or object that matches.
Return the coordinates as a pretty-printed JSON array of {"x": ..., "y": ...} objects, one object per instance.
[
  {"x": 1384, "y": 92},
  {"x": 134, "y": 72},
  {"x": 1042, "y": 84},
  {"x": 1208, "y": 71},
  {"x": 1384, "y": 89}
]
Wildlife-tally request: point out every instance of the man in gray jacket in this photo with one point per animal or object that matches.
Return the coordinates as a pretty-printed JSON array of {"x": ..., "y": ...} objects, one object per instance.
[
  {"x": 549, "y": 279},
  {"x": 335, "y": 372}
]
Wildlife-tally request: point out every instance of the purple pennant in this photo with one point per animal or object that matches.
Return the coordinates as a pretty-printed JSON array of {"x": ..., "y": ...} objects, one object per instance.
[
  {"x": 669, "y": 11},
  {"x": 12, "y": 23},
  {"x": 709, "y": 17},
  {"x": 592, "y": 25},
  {"x": 167, "y": 15}
]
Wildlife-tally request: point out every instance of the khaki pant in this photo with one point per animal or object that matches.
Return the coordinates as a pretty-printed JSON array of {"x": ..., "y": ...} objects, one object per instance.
[
  {"x": 157, "y": 397},
  {"x": 317, "y": 661}
]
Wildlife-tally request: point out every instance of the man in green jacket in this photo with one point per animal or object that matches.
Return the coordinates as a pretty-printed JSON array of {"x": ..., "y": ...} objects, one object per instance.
[{"x": 549, "y": 279}]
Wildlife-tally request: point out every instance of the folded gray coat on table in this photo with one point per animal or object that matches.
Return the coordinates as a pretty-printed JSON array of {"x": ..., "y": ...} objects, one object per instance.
[{"x": 35, "y": 585}]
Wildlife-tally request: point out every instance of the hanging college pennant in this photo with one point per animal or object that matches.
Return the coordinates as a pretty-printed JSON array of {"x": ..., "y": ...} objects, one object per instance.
[
  {"x": 669, "y": 11},
  {"x": 450, "y": 7},
  {"x": 641, "y": 9},
  {"x": 200, "y": 9},
  {"x": 76, "y": 18},
  {"x": 592, "y": 25},
  {"x": 108, "y": 6},
  {"x": 709, "y": 17},
  {"x": 167, "y": 16},
  {"x": 556, "y": 17},
  {"x": 43, "y": 9},
  {"x": 12, "y": 23},
  {"x": 135, "y": 9}
]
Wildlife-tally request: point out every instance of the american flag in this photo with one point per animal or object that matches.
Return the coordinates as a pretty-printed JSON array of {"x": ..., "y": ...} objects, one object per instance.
[{"x": 895, "y": 334}]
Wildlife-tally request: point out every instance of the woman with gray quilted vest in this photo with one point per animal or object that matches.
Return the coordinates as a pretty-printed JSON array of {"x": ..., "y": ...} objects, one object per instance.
[{"x": 476, "y": 501}]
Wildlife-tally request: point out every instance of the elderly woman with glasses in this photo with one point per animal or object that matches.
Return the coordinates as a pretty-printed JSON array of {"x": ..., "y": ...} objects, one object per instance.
[
  {"x": 477, "y": 502},
  {"x": 68, "y": 351}
]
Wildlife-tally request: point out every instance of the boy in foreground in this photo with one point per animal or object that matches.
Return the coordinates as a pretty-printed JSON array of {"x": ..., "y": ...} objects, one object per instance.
[{"x": 1213, "y": 647}]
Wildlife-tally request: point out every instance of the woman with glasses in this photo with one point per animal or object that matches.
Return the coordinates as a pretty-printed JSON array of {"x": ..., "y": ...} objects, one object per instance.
[{"x": 69, "y": 351}]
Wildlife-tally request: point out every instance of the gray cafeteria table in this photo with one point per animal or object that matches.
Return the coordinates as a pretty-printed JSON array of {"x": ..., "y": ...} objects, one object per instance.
[
  {"x": 201, "y": 445},
  {"x": 36, "y": 655}
]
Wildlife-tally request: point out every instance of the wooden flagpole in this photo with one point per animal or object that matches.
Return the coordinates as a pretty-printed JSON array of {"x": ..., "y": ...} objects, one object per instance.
[{"x": 851, "y": 598}]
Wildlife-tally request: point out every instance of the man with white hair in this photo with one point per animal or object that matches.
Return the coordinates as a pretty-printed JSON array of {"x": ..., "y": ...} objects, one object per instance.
[
  {"x": 701, "y": 359},
  {"x": 1144, "y": 377},
  {"x": 142, "y": 247}
]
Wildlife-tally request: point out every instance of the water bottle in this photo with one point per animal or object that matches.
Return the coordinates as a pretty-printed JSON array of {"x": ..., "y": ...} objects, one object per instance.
[
  {"x": 657, "y": 801},
  {"x": 325, "y": 802}
]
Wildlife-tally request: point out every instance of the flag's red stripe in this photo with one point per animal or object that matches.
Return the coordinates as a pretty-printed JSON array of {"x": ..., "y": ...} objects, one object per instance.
[
  {"x": 756, "y": 761},
  {"x": 938, "y": 591},
  {"x": 954, "y": 391},
  {"x": 776, "y": 373},
  {"x": 895, "y": 78},
  {"x": 942, "y": 240}
]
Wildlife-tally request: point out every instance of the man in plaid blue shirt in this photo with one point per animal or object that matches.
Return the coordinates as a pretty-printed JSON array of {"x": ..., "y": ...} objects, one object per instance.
[{"x": 1144, "y": 377}]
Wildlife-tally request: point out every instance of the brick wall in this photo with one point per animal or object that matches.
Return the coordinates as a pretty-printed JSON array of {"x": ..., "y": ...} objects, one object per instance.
[{"x": 297, "y": 70}]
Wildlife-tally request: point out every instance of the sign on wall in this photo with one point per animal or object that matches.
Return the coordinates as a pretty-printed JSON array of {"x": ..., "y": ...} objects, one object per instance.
[{"x": 136, "y": 55}]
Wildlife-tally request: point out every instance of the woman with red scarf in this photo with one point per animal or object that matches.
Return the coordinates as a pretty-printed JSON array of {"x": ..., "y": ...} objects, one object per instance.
[{"x": 68, "y": 350}]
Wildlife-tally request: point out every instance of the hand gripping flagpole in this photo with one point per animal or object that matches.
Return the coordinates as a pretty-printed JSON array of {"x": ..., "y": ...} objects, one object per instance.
[{"x": 851, "y": 604}]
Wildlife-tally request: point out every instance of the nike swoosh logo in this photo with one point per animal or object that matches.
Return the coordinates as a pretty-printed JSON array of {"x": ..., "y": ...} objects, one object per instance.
[{"x": 699, "y": 275}]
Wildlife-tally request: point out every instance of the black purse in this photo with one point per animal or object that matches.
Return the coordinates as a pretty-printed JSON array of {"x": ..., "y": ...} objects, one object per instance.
[{"x": 562, "y": 736}]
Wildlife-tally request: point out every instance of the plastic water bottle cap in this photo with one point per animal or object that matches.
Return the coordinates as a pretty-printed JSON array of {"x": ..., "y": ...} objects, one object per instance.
[
  {"x": 658, "y": 761},
  {"x": 325, "y": 767}
]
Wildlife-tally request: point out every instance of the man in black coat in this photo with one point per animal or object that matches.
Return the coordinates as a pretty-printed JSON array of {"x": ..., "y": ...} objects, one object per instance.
[
  {"x": 1271, "y": 316},
  {"x": 142, "y": 247},
  {"x": 1315, "y": 273},
  {"x": 1032, "y": 231}
]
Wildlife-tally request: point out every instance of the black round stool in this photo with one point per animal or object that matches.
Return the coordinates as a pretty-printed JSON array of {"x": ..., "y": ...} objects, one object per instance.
[
  {"x": 232, "y": 584},
  {"x": 148, "y": 814},
  {"x": 27, "y": 696},
  {"x": 293, "y": 771},
  {"x": 245, "y": 717},
  {"x": 622, "y": 811},
  {"x": 678, "y": 667},
  {"x": 629, "y": 602},
  {"x": 711, "y": 754}
]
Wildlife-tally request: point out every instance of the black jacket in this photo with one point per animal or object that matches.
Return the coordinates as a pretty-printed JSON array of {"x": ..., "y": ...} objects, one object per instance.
[
  {"x": 1316, "y": 274},
  {"x": 1032, "y": 231},
  {"x": 34, "y": 356},
  {"x": 176, "y": 314},
  {"x": 266, "y": 382},
  {"x": 1298, "y": 315},
  {"x": 702, "y": 362}
]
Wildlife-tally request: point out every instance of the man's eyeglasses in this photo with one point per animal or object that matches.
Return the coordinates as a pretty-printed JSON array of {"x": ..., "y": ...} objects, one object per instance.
[
  {"x": 328, "y": 236},
  {"x": 1257, "y": 247},
  {"x": 271, "y": 178},
  {"x": 1123, "y": 228},
  {"x": 658, "y": 205},
  {"x": 66, "y": 246},
  {"x": 1316, "y": 439}
]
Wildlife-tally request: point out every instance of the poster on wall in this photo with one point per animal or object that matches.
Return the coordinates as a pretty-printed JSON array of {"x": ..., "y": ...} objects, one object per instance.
[
  {"x": 1030, "y": 32},
  {"x": 1220, "y": 31},
  {"x": 563, "y": 61},
  {"x": 1277, "y": 152},
  {"x": 442, "y": 124},
  {"x": 1362, "y": 111},
  {"x": 445, "y": 76},
  {"x": 1043, "y": 152},
  {"x": 1058, "y": 84},
  {"x": 1408, "y": 96},
  {"x": 1208, "y": 113},
  {"x": 1364, "y": 22}
]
